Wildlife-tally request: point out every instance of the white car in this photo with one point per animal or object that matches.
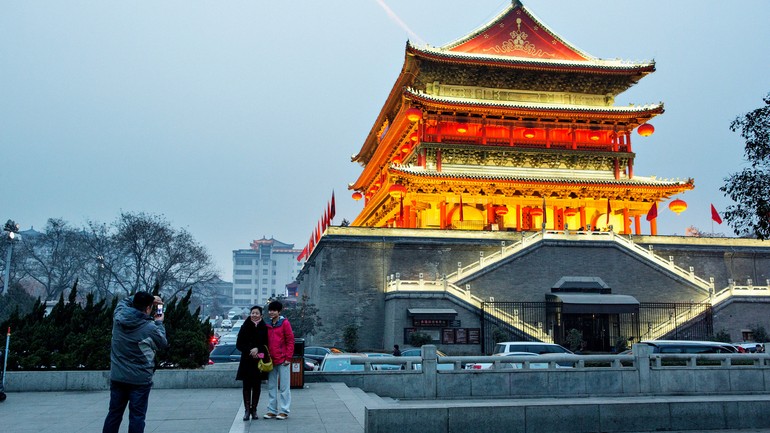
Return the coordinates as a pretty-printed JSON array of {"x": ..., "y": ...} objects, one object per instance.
[
  {"x": 536, "y": 347},
  {"x": 517, "y": 365},
  {"x": 226, "y": 324}
]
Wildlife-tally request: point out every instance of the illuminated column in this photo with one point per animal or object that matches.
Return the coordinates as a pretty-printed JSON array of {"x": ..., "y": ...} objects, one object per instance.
[
  {"x": 438, "y": 160},
  {"x": 638, "y": 225},
  {"x": 626, "y": 222},
  {"x": 442, "y": 214},
  {"x": 582, "y": 217},
  {"x": 630, "y": 168},
  {"x": 518, "y": 217},
  {"x": 654, "y": 226},
  {"x": 491, "y": 217},
  {"x": 547, "y": 138}
]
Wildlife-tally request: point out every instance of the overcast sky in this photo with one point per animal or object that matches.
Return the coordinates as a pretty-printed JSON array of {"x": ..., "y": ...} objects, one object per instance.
[{"x": 237, "y": 119}]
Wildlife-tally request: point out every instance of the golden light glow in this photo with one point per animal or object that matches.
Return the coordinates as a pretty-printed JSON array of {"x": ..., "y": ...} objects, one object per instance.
[
  {"x": 501, "y": 210},
  {"x": 529, "y": 133},
  {"x": 462, "y": 128},
  {"x": 357, "y": 196}
]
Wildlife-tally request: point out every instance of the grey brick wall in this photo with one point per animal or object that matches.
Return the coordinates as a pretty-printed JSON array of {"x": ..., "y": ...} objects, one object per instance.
[{"x": 346, "y": 274}]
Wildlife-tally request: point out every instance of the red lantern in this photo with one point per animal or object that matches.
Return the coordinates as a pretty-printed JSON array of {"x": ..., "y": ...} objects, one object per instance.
[
  {"x": 462, "y": 128},
  {"x": 357, "y": 196},
  {"x": 678, "y": 206},
  {"x": 594, "y": 136},
  {"x": 645, "y": 130},
  {"x": 413, "y": 114},
  {"x": 529, "y": 133},
  {"x": 501, "y": 210},
  {"x": 570, "y": 212},
  {"x": 414, "y": 136},
  {"x": 535, "y": 211},
  {"x": 397, "y": 190}
]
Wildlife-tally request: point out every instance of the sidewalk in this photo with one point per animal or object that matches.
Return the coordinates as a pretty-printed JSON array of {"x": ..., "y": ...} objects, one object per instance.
[{"x": 319, "y": 408}]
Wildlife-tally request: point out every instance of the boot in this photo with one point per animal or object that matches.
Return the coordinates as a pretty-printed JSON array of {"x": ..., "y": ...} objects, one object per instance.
[{"x": 246, "y": 405}]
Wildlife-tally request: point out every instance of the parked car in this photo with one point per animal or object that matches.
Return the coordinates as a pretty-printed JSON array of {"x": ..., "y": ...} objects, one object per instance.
[
  {"x": 224, "y": 352},
  {"x": 749, "y": 347},
  {"x": 535, "y": 347},
  {"x": 382, "y": 366},
  {"x": 236, "y": 327},
  {"x": 418, "y": 352},
  {"x": 316, "y": 353},
  {"x": 519, "y": 365},
  {"x": 341, "y": 362},
  {"x": 229, "y": 338},
  {"x": 685, "y": 346}
]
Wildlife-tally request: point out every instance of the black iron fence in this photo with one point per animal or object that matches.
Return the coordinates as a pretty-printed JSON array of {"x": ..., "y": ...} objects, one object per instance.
[{"x": 544, "y": 321}]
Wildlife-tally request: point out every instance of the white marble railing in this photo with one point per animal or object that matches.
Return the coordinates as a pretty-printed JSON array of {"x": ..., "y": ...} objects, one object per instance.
[
  {"x": 735, "y": 290},
  {"x": 444, "y": 286},
  {"x": 508, "y": 250}
]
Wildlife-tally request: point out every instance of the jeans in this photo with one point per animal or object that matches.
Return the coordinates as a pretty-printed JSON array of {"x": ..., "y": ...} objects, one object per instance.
[
  {"x": 136, "y": 397},
  {"x": 279, "y": 380}
]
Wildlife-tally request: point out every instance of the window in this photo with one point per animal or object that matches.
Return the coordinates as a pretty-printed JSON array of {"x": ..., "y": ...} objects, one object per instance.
[
  {"x": 273, "y": 282},
  {"x": 265, "y": 262},
  {"x": 242, "y": 291},
  {"x": 264, "y": 271},
  {"x": 246, "y": 262},
  {"x": 264, "y": 280},
  {"x": 274, "y": 263},
  {"x": 242, "y": 272},
  {"x": 264, "y": 291},
  {"x": 237, "y": 281},
  {"x": 273, "y": 272},
  {"x": 242, "y": 301}
]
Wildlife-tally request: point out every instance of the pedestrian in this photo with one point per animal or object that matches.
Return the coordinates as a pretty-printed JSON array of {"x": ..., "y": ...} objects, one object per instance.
[
  {"x": 396, "y": 350},
  {"x": 137, "y": 334},
  {"x": 252, "y": 343},
  {"x": 280, "y": 339}
]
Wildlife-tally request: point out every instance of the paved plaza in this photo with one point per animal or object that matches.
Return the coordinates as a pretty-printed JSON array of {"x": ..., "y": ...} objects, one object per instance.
[{"x": 318, "y": 408}]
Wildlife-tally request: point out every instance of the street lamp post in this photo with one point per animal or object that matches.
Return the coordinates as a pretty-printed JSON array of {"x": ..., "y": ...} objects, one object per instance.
[{"x": 10, "y": 230}]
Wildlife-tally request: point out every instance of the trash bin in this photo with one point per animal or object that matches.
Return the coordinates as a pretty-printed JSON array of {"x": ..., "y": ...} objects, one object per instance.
[{"x": 298, "y": 364}]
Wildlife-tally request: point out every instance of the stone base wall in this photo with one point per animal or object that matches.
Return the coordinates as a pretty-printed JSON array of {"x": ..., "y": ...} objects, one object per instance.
[{"x": 346, "y": 275}]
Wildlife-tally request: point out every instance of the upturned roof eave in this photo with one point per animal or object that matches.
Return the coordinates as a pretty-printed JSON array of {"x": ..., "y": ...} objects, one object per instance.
[
  {"x": 405, "y": 78},
  {"x": 597, "y": 66},
  {"x": 655, "y": 184},
  {"x": 443, "y": 102}
]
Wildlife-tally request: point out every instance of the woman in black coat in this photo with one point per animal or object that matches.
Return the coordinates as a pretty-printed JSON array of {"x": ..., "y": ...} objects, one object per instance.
[{"x": 252, "y": 343}]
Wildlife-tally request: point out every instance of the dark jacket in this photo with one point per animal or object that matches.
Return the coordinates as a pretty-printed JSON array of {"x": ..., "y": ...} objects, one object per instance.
[
  {"x": 136, "y": 337},
  {"x": 249, "y": 337}
]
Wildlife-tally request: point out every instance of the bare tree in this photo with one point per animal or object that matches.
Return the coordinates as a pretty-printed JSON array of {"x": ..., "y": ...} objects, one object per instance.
[
  {"x": 143, "y": 249},
  {"x": 54, "y": 258}
]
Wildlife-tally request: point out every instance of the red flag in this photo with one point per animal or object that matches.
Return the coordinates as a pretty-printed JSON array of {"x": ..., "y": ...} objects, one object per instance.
[
  {"x": 303, "y": 254},
  {"x": 401, "y": 210},
  {"x": 333, "y": 208},
  {"x": 461, "y": 207},
  {"x": 325, "y": 220},
  {"x": 653, "y": 212},
  {"x": 715, "y": 215},
  {"x": 609, "y": 211}
]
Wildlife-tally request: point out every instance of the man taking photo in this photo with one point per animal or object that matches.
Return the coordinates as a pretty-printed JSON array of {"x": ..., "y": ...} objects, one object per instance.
[{"x": 137, "y": 334}]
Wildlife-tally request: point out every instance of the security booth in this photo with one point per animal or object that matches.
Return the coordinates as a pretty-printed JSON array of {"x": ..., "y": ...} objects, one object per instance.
[{"x": 298, "y": 364}]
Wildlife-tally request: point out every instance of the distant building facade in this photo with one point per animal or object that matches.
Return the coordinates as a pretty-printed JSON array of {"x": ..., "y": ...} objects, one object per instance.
[{"x": 263, "y": 271}]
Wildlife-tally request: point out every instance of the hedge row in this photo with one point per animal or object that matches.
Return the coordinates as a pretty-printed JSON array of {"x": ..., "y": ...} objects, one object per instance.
[{"x": 75, "y": 336}]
